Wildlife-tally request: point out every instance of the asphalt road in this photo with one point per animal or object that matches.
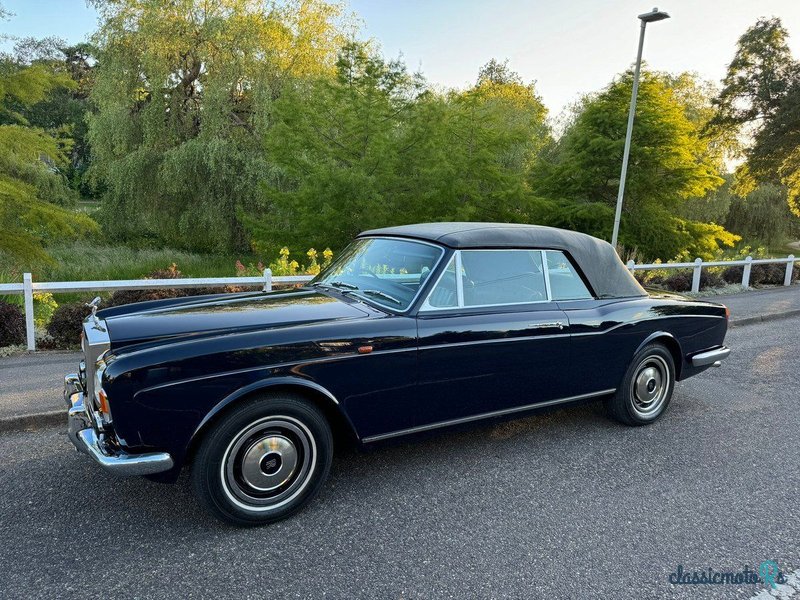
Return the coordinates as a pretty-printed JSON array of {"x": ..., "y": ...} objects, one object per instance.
[
  {"x": 565, "y": 505},
  {"x": 34, "y": 383}
]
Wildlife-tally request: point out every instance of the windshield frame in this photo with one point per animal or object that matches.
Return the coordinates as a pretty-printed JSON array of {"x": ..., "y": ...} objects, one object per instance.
[{"x": 372, "y": 301}]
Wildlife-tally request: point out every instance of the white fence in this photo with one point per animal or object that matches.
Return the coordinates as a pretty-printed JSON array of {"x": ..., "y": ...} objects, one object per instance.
[
  {"x": 698, "y": 264},
  {"x": 28, "y": 287}
]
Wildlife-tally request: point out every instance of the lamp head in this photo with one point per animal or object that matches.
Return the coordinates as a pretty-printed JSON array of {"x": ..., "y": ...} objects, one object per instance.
[{"x": 653, "y": 16}]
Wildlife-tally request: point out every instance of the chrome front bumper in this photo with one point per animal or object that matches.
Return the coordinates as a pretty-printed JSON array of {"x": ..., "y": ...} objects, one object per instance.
[
  {"x": 83, "y": 428},
  {"x": 711, "y": 357}
]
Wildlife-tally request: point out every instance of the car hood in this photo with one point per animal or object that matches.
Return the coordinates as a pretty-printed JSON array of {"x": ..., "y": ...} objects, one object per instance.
[{"x": 226, "y": 313}]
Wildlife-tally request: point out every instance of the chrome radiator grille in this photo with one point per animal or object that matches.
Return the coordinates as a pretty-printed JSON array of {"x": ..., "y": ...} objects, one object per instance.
[{"x": 95, "y": 341}]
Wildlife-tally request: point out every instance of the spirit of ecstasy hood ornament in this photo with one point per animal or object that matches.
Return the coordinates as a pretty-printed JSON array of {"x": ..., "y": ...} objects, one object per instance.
[{"x": 94, "y": 304}]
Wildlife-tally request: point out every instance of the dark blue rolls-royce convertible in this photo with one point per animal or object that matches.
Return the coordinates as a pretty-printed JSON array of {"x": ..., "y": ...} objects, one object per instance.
[{"x": 412, "y": 329}]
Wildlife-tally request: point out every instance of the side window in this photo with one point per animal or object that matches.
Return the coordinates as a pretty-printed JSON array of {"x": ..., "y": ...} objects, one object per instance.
[
  {"x": 493, "y": 277},
  {"x": 565, "y": 283},
  {"x": 445, "y": 294}
]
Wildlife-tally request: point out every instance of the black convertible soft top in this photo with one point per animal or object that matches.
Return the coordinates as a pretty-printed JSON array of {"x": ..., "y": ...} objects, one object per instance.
[{"x": 597, "y": 259}]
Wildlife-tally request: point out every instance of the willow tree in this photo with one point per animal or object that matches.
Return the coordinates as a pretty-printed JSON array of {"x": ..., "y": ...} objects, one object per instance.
[{"x": 183, "y": 95}]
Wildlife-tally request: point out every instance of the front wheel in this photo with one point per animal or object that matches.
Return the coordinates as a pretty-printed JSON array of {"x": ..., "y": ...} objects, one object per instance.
[
  {"x": 264, "y": 461},
  {"x": 646, "y": 389}
]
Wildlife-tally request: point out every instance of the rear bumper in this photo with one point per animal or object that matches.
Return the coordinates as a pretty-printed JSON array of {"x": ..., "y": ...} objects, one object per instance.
[
  {"x": 712, "y": 357},
  {"x": 88, "y": 438}
]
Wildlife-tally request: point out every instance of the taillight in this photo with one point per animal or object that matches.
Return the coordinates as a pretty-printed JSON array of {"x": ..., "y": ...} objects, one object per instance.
[{"x": 727, "y": 314}]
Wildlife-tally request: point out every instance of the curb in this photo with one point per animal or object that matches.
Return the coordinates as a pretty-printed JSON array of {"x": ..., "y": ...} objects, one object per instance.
[
  {"x": 50, "y": 418},
  {"x": 764, "y": 318}
]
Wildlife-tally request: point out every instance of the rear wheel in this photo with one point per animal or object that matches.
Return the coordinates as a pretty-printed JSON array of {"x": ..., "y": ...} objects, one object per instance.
[
  {"x": 264, "y": 461},
  {"x": 646, "y": 390}
]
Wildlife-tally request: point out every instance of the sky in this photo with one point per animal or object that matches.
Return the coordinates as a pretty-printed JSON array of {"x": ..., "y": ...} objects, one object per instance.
[{"x": 567, "y": 47}]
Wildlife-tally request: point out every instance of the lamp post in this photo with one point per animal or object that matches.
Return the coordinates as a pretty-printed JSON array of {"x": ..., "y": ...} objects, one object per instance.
[{"x": 649, "y": 17}]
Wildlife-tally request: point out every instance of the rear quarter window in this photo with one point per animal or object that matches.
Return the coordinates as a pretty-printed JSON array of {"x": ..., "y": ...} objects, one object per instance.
[{"x": 565, "y": 282}]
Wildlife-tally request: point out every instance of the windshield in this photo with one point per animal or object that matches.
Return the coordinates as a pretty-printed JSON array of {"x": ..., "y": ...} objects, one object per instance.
[{"x": 386, "y": 271}]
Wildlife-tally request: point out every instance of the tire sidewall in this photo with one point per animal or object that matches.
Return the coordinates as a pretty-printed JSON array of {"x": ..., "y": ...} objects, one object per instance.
[
  {"x": 207, "y": 473},
  {"x": 626, "y": 391}
]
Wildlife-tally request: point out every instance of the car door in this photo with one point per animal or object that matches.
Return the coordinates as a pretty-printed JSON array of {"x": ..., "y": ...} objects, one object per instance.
[
  {"x": 598, "y": 339},
  {"x": 491, "y": 340}
]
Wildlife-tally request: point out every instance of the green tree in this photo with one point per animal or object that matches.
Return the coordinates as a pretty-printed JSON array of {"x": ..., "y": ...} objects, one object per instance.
[
  {"x": 183, "y": 94},
  {"x": 34, "y": 197},
  {"x": 762, "y": 216},
  {"x": 373, "y": 146},
  {"x": 670, "y": 162},
  {"x": 62, "y": 111},
  {"x": 338, "y": 143},
  {"x": 760, "y": 102}
]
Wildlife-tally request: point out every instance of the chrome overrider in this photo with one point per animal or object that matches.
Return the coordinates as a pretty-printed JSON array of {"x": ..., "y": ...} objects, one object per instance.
[{"x": 88, "y": 430}]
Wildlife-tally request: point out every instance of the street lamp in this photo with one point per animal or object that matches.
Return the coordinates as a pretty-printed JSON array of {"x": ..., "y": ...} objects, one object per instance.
[{"x": 649, "y": 17}]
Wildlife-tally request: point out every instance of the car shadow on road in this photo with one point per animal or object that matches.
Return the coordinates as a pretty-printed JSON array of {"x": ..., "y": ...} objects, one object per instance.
[{"x": 406, "y": 469}]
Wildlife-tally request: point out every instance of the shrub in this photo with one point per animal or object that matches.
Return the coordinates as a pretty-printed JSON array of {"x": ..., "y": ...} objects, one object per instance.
[
  {"x": 732, "y": 274},
  {"x": 285, "y": 266},
  {"x": 710, "y": 279},
  {"x": 130, "y": 296},
  {"x": 769, "y": 274},
  {"x": 678, "y": 282},
  {"x": 12, "y": 325},
  {"x": 44, "y": 305},
  {"x": 65, "y": 325}
]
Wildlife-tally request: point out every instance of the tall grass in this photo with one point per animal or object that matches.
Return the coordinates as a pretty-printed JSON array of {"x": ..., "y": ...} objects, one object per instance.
[{"x": 85, "y": 261}]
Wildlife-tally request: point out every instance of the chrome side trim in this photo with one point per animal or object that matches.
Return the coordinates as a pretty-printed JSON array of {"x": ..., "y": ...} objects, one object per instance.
[
  {"x": 489, "y": 415},
  {"x": 709, "y": 357}
]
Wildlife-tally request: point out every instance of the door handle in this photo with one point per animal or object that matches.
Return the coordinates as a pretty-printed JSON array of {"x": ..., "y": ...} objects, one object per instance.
[{"x": 550, "y": 325}]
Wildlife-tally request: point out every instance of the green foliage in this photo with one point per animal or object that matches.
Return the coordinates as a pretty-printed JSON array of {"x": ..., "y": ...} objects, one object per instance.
[
  {"x": 84, "y": 260},
  {"x": 670, "y": 162},
  {"x": 12, "y": 325},
  {"x": 760, "y": 101},
  {"x": 283, "y": 265},
  {"x": 183, "y": 94},
  {"x": 763, "y": 216},
  {"x": 373, "y": 146}
]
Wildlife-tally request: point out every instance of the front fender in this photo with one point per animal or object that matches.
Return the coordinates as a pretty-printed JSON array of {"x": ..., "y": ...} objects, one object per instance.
[{"x": 331, "y": 403}]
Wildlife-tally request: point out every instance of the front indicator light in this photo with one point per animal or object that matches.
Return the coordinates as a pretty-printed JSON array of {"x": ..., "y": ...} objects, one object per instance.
[{"x": 103, "y": 399}]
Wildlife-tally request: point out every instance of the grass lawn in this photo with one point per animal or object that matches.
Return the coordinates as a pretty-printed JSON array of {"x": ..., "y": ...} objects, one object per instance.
[{"x": 84, "y": 261}]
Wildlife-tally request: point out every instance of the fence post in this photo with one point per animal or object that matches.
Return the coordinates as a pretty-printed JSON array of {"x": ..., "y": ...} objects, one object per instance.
[
  {"x": 698, "y": 267},
  {"x": 631, "y": 266},
  {"x": 267, "y": 279},
  {"x": 746, "y": 272},
  {"x": 27, "y": 290}
]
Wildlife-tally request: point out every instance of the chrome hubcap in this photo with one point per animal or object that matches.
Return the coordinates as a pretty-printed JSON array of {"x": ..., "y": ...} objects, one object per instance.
[
  {"x": 268, "y": 463},
  {"x": 650, "y": 385}
]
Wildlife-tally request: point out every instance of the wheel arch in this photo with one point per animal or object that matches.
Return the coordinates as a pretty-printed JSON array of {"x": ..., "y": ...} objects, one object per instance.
[
  {"x": 671, "y": 343},
  {"x": 320, "y": 397}
]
